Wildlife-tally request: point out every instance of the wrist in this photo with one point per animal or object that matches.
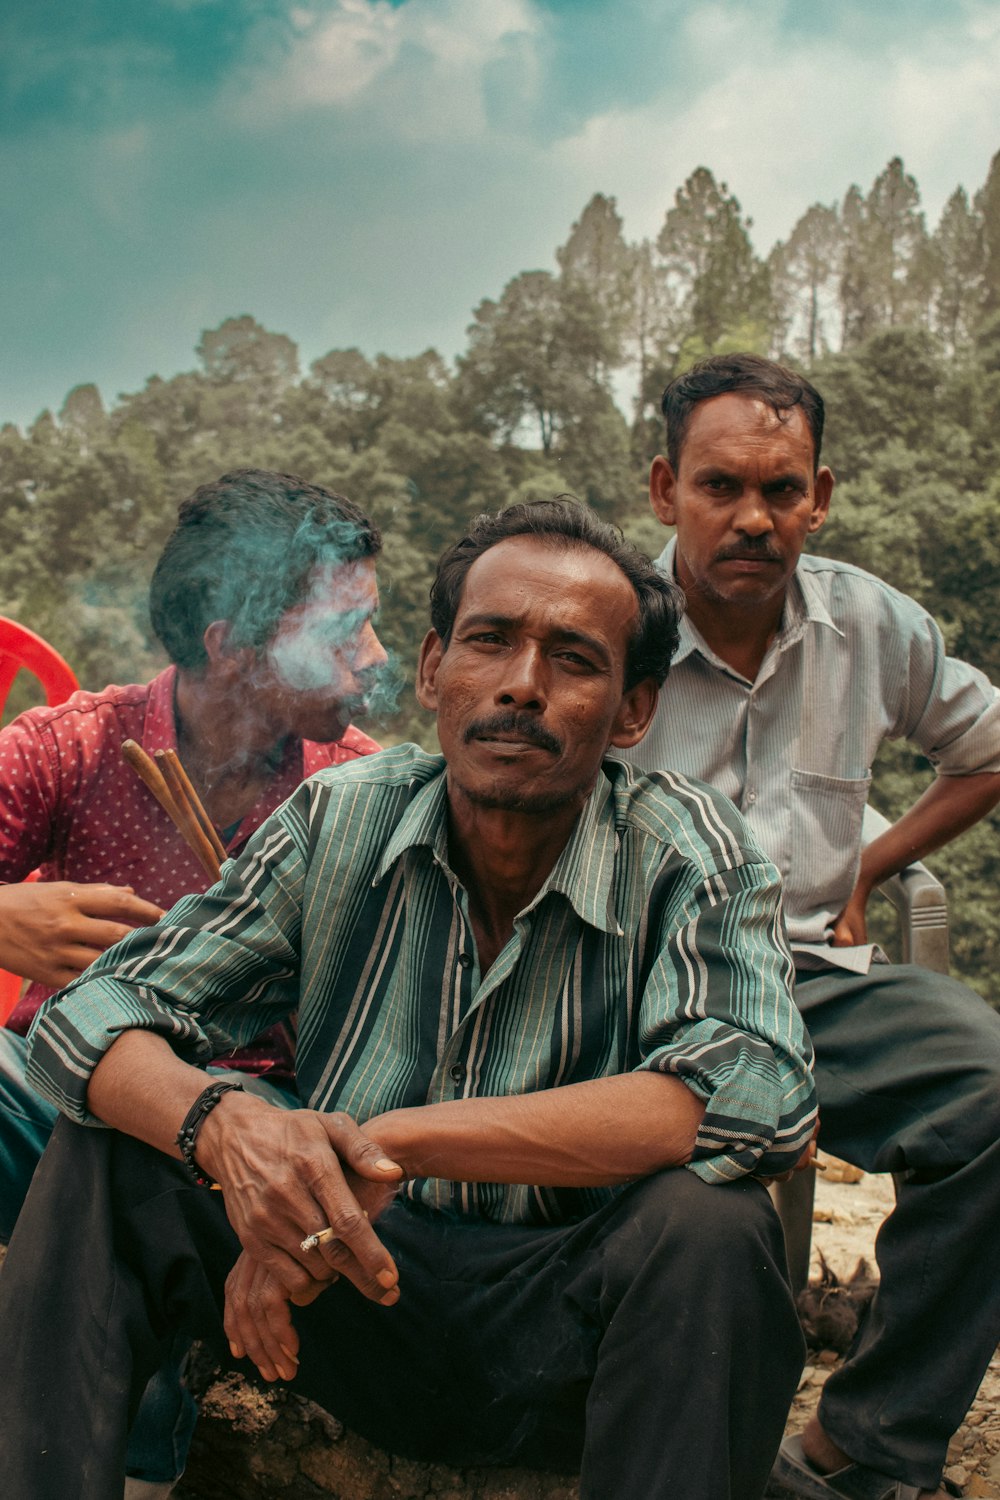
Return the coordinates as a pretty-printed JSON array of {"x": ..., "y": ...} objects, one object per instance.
[
  {"x": 394, "y": 1133},
  {"x": 201, "y": 1108},
  {"x": 228, "y": 1123}
]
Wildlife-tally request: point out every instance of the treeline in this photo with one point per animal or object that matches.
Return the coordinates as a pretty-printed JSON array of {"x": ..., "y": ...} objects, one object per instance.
[{"x": 899, "y": 326}]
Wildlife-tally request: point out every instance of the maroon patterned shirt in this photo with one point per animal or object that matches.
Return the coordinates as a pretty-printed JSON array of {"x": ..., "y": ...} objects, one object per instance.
[{"x": 71, "y": 807}]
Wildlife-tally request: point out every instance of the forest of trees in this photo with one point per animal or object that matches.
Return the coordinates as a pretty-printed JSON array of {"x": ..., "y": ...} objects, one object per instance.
[{"x": 898, "y": 324}]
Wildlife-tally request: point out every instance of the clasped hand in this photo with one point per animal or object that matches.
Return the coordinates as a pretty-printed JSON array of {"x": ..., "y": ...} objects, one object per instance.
[{"x": 286, "y": 1174}]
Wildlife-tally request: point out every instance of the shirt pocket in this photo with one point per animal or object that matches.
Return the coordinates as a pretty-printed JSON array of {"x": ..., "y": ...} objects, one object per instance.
[{"x": 826, "y": 815}]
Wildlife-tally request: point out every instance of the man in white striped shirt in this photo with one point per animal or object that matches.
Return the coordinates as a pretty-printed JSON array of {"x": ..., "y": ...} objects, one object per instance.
[{"x": 791, "y": 672}]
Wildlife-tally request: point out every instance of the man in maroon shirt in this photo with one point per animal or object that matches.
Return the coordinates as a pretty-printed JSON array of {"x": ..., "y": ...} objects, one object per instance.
[{"x": 264, "y": 599}]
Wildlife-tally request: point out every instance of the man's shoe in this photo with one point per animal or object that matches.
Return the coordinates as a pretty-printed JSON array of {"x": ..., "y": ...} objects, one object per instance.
[
  {"x": 149, "y": 1489},
  {"x": 794, "y": 1477}
]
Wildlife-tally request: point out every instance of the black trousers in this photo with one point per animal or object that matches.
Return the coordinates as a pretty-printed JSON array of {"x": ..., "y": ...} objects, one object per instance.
[
  {"x": 654, "y": 1344},
  {"x": 908, "y": 1077}
]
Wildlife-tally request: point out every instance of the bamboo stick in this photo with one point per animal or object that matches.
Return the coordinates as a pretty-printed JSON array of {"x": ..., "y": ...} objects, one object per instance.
[
  {"x": 182, "y": 817},
  {"x": 182, "y": 787}
]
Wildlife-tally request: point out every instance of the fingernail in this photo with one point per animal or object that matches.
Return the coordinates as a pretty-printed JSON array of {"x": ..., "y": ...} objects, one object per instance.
[
  {"x": 293, "y": 1357},
  {"x": 235, "y": 1350},
  {"x": 387, "y": 1278},
  {"x": 385, "y": 1165},
  {"x": 390, "y": 1297}
]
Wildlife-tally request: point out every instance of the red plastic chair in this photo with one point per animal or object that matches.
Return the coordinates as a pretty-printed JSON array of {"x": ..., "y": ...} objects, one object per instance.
[{"x": 22, "y": 648}]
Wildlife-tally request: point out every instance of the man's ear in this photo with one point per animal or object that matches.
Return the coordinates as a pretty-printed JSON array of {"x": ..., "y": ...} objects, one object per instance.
[
  {"x": 662, "y": 484},
  {"x": 635, "y": 714},
  {"x": 428, "y": 662},
  {"x": 216, "y": 640},
  {"x": 226, "y": 661},
  {"x": 822, "y": 492}
]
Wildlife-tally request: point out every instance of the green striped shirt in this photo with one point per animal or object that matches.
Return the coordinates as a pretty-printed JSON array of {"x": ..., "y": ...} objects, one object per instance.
[{"x": 656, "y": 942}]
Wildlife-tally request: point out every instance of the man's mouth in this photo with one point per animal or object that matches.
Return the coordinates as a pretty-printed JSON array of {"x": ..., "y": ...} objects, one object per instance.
[
  {"x": 756, "y": 558},
  {"x": 514, "y": 733}
]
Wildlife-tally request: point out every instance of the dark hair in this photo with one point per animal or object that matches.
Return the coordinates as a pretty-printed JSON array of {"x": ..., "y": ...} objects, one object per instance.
[
  {"x": 745, "y": 374},
  {"x": 566, "y": 522},
  {"x": 243, "y": 550}
]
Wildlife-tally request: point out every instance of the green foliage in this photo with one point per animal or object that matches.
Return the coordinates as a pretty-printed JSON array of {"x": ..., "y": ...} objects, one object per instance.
[
  {"x": 719, "y": 285},
  {"x": 899, "y": 328}
]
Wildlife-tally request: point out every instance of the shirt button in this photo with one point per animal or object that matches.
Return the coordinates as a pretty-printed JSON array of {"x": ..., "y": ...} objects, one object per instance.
[
  {"x": 465, "y": 959},
  {"x": 457, "y": 1072},
  {"x": 751, "y": 796}
]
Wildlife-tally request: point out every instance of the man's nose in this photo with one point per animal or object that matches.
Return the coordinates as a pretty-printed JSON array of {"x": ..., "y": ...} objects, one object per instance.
[
  {"x": 752, "y": 515},
  {"x": 522, "y": 682},
  {"x": 371, "y": 654}
]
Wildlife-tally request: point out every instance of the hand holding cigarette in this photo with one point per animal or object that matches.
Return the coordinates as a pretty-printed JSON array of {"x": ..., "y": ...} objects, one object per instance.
[{"x": 283, "y": 1171}]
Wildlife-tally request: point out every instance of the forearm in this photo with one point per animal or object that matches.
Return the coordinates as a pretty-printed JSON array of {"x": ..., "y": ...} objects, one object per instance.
[
  {"x": 592, "y": 1134},
  {"x": 142, "y": 1088},
  {"x": 949, "y": 806}
]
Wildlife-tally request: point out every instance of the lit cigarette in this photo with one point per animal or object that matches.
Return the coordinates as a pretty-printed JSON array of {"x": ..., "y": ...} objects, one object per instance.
[
  {"x": 321, "y": 1237},
  {"x": 817, "y": 1165}
]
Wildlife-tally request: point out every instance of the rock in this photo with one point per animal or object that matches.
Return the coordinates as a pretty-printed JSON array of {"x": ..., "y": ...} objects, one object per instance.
[{"x": 272, "y": 1445}]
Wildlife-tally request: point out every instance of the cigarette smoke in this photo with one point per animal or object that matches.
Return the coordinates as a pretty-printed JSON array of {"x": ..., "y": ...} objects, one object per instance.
[{"x": 323, "y": 644}]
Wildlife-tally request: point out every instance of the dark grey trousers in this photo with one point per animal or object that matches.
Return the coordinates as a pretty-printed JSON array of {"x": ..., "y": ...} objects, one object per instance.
[
  {"x": 654, "y": 1344},
  {"x": 908, "y": 1076}
]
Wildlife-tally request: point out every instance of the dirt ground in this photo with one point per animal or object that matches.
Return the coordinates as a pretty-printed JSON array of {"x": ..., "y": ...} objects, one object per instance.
[{"x": 846, "y": 1220}]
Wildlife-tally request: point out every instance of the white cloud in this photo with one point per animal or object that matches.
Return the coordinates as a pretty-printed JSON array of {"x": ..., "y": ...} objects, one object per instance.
[
  {"x": 790, "y": 121},
  {"x": 345, "y": 52}
]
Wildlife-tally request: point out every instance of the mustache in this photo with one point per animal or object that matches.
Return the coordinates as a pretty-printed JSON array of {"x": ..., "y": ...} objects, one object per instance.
[
  {"x": 749, "y": 552},
  {"x": 522, "y": 725}
]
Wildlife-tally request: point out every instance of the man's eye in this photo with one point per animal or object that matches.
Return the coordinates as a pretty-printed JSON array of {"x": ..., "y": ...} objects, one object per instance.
[{"x": 574, "y": 659}]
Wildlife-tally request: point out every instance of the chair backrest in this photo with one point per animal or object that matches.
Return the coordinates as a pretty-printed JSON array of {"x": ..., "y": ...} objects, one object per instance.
[{"x": 22, "y": 648}]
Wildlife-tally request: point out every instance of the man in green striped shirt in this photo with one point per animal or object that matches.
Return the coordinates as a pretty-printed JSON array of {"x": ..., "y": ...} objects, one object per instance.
[{"x": 545, "y": 1047}]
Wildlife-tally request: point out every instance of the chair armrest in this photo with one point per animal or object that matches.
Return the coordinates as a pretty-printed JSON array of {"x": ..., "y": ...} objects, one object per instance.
[{"x": 922, "y": 904}]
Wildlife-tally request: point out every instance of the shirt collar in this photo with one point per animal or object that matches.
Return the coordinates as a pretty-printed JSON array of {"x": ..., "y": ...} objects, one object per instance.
[
  {"x": 159, "y": 730},
  {"x": 804, "y": 605},
  {"x": 583, "y": 873}
]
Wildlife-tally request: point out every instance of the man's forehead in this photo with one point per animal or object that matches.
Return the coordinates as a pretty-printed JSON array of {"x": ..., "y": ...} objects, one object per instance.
[
  {"x": 522, "y": 570},
  {"x": 737, "y": 423},
  {"x": 341, "y": 587}
]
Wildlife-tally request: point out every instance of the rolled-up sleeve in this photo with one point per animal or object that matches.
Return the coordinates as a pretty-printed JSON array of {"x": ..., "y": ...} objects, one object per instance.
[
  {"x": 947, "y": 708},
  {"x": 718, "y": 1013}
]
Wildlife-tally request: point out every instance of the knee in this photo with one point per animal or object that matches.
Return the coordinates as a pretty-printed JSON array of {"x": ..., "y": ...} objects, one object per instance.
[{"x": 722, "y": 1229}]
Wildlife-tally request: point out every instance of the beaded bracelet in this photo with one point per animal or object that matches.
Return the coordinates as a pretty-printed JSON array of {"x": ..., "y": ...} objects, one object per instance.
[{"x": 194, "y": 1120}]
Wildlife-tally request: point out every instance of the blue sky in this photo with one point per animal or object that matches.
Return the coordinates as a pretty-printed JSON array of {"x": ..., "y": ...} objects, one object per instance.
[{"x": 360, "y": 172}]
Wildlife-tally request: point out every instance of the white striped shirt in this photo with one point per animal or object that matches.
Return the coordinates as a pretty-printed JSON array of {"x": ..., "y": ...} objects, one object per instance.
[{"x": 854, "y": 662}]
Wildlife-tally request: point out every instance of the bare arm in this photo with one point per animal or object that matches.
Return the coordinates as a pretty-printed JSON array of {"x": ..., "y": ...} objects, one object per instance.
[
  {"x": 50, "y": 931},
  {"x": 949, "y": 806},
  {"x": 592, "y": 1134}
]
